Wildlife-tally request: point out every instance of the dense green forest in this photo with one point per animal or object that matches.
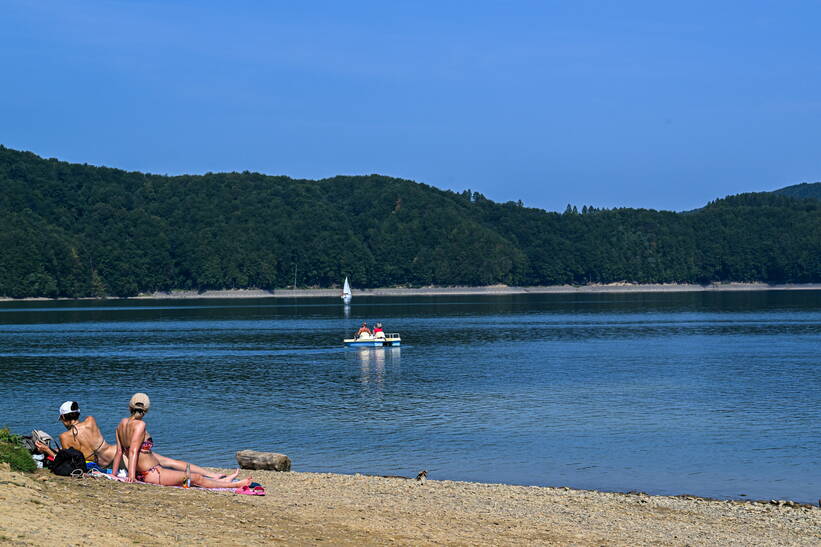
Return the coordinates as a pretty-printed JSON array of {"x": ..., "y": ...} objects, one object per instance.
[
  {"x": 803, "y": 190},
  {"x": 69, "y": 230}
]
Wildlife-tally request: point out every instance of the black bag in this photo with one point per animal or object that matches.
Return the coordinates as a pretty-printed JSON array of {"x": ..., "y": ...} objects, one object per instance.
[{"x": 67, "y": 461}]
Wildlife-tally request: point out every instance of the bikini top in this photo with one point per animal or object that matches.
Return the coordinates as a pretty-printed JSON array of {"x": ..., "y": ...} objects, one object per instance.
[
  {"x": 147, "y": 445},
  {"x": 95, "y": 455}
]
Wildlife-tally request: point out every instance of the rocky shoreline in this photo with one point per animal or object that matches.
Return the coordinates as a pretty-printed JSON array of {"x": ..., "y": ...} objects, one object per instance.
[
  {"x": 316, "y": 508},
  {"x": 492, "y": 290}
]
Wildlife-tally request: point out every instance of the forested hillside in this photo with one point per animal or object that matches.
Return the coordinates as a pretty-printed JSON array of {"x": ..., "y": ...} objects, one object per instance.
[
  {"x": 803, "y": 190},
  {"x": 78, "y": 230}
]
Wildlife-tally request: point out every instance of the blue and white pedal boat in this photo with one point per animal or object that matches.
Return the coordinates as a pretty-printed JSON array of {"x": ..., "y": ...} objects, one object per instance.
[{"x": 391, "y": 340}]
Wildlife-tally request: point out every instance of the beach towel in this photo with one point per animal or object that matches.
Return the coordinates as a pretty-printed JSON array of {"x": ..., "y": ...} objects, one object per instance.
[{"x": 255, "y": 489}]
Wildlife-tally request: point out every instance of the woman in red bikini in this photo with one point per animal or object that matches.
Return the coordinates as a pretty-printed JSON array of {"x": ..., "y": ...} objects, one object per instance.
[{"x": 133, "y": 439}]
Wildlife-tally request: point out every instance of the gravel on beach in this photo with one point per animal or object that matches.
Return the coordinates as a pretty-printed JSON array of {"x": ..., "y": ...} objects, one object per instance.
[{"x": 316, "y": 508}]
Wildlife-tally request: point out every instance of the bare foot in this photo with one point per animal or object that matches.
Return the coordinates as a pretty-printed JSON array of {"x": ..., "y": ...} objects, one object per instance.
[
  {"x": 224, "y": 477},
  {"x": 242, "y": 483}
]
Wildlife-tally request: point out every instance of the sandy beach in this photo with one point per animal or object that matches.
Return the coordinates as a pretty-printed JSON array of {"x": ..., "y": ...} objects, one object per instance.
[{"x": 313, "y": 508}]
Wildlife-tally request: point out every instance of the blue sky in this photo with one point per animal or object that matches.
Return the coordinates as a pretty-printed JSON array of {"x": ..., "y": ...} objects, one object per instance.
[{"x": 642, "y": 104}]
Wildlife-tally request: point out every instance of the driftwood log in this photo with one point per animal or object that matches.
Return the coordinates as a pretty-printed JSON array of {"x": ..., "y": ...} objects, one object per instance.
[{"x": 251, "y": 459}]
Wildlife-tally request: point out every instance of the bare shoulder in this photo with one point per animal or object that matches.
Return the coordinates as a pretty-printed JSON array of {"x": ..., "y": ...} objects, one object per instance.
[{"x": 138, "y": 426}]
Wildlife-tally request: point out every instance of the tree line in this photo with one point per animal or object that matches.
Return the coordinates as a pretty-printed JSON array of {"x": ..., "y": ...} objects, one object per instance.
[{"x": 70, "y": 230}]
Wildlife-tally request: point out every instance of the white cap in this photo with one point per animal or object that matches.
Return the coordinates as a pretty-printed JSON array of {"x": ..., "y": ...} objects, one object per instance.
[{"x": 69, "y": 407}]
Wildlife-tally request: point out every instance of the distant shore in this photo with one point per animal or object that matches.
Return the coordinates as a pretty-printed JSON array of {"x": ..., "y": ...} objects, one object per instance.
[{"x": 491, "y": 290}]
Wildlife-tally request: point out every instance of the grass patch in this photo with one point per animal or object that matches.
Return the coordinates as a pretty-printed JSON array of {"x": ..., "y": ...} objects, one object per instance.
[{"x": 14, "y": 453}]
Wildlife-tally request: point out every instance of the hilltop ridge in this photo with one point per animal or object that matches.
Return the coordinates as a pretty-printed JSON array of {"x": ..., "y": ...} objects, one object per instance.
[
  {"x": 72, "y": 230},
  {"x": 810, "y": 190}
]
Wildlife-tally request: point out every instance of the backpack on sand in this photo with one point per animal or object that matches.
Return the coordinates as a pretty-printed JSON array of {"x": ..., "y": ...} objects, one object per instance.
[{"x": 67, "y": 461}]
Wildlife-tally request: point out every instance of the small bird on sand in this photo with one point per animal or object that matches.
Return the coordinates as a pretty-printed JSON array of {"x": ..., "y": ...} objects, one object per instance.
[{"x": 422, "y": 476}]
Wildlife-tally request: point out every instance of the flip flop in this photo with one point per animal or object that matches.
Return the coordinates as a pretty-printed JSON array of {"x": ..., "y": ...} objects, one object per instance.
[{"x": 248, "y": 491}]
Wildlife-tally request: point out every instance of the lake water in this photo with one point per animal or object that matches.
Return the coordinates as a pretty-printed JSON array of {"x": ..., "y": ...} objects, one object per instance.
[{"x": 714, "y": 394}]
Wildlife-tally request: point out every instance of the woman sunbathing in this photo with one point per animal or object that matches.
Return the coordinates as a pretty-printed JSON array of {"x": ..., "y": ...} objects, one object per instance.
[
  {"x": 86, "y": 437},
  {"x": 144, "y": 465}
]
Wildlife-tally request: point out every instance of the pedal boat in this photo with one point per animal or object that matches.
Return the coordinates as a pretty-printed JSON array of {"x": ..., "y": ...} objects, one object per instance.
[{"x": 391, "y": 340}]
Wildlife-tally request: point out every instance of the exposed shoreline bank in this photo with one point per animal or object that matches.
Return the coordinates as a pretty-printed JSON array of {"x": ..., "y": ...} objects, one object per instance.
[
  {"x": 492, "y": 290},
  {"x": 312, "y": 508}
]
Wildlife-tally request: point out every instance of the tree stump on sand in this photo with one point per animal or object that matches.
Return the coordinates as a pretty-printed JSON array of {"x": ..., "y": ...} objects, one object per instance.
[{"x": 251, "y": 459}]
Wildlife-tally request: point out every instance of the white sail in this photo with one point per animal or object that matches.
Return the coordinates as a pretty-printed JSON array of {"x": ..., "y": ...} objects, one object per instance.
[{"x": 346, "y": 292}]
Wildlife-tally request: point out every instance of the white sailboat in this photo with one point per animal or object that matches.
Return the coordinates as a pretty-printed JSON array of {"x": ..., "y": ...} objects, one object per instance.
[{"x": 346, "y": 292}]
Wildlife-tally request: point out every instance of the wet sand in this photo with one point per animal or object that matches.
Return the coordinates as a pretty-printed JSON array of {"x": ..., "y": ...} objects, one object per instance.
[{"x": 313, "y": 509}]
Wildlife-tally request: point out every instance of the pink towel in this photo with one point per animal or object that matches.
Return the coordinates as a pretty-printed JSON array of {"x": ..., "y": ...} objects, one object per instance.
[{"x": 248, "y": 491}]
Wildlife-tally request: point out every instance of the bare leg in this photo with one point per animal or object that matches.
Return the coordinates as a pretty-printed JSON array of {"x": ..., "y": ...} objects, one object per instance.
[
  {"x": 179, "y": 465},
  {"x": 172, "y": 477}
]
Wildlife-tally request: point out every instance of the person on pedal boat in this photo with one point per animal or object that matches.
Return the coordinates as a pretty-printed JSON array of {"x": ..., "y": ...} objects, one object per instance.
[
  {"x": 378, "y": 332},
  {"x": 364, "y": 331}
]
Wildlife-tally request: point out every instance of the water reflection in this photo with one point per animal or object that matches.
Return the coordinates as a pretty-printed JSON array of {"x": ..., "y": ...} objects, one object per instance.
[
  {"x": 372, "y": 364},
  {"x": 390, "y": 308}
]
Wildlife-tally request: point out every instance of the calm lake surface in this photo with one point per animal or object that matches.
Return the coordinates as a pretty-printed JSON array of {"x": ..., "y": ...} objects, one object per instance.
[{"x": 714, "y": 394}]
